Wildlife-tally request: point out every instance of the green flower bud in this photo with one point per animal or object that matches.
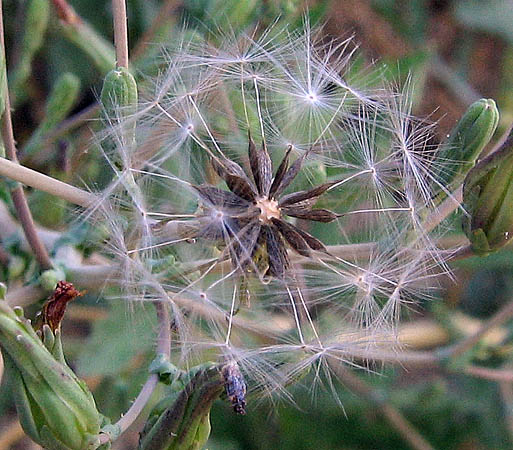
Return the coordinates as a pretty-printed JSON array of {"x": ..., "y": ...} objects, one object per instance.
[
  {"x": 181, "y": 420},
  {"x": 119, "y": 90},
  {"x": 60, "y": 102},
  {"x": 119, "y": 100},
  {"x": 466, "y": 141},
  {"x": 488, "y": 200},
  {"x": 15, "y": 267},
  {"x": 36, "y": 22},
  {"x": 54, "y": 407},
  {"x": 49, "y": 279}
]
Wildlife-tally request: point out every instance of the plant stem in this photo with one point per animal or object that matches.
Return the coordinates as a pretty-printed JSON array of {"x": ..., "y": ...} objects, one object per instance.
[
  {"x": 436, "y": 357},
  {"x": 446, "y": 208},
  {"x": 505, "y": 313},
  {"x": 17, "y": 194},
  {"x": 37, "y": 180},
  {"x": 464, "y": 91},
  {"x": 120, "y": 33},
  {"x": 390, "y": 413},
  {"x": 163, "y": 347},
  {"x": 503, "y": 375},
  {"x": 162, "y": 16}
]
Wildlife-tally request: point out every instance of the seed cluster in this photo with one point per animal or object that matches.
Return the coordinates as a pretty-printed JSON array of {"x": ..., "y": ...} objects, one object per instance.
[{"x": 251, "y": 215}]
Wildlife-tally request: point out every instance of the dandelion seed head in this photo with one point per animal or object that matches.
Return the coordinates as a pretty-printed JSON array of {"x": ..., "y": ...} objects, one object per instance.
[{"x": 275, "y": 201}]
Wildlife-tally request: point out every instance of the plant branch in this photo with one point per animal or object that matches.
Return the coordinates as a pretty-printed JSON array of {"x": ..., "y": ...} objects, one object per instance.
[
  {"x": 37, "y": 180},
  {"x": 163, "y": 347},
  {"x": 17, "y": 194},
  {"x": 390, "y": 413},
  {"x": 502, "y": 375},
  {"x": 443, "y": 211},
  {"x": 120, "y": 32},
  {"x": 162, "y": 16},
  {"x": 505, "y": 313}
]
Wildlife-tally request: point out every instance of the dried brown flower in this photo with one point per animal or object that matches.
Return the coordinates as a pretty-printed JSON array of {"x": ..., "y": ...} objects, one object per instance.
[
  {"x": 54, "y": 308},
  {"x": 250, "y": 217}
]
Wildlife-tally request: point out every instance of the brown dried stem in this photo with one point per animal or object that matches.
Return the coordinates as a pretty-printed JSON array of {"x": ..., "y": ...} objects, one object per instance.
[
  {"x": 486, "y": 373},
  {"x": 17, "y": 194},
  {"x": 120, "y": 32},
  {"x": 15, "y": 171}
]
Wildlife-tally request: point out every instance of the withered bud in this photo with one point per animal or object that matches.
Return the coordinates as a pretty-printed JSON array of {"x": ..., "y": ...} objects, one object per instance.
[{"x": 235, "y": 387}]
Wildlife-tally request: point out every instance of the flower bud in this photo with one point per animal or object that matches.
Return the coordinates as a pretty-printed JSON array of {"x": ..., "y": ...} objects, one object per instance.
[
  {"x": 488, "y": 200},
  {"x": 119, "y": 90},
  {"x": 60, "y": 102},
  {"x": 181, "y": 420},
  {"x": 119, "y": 101},
  {"x": 466, "y": 141},
  {"x": 54, "y": 407},
  {"x": 49, "y": 278}
]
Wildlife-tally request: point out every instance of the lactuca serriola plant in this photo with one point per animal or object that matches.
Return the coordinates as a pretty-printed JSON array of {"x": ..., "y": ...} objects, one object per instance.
[{"x": 276, "y": 198}]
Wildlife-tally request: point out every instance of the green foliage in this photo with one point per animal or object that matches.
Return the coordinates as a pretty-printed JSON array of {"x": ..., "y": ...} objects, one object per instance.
[
  {"x": 492, "y": 16},
  {"x": 114, "y": 341},
  {"x": 59, "y": 104},
  {"x": 488, "y": 196},
  {"x": 55, "y": 408},
  {"x": 35, "y": 25}
]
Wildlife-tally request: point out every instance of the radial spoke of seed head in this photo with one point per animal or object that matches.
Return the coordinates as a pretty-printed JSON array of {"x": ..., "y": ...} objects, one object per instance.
[
  {"x": 296, "y": 315},
  {"x": 328, "y": 125},
  {"x": 160, "y": 244},
  {"x": 345, "y": 180},
  {"x": 193, "y": 135},
  {"x": 197, "y": 280},
  {"x": 243, "y": 94},
  {"x": 172, "y": 216},
  {"x": 259, "y": 110},
  {"x": 220, "y": 280},
  {"x": 230, "y": 319},
  {"x": 309, "y": 317},
  {"x": 195, "y": 106},
  {"x": 354, "y": 266},
  {"x": 162, "y": 175},
  {"x": 375, "y": 210}
]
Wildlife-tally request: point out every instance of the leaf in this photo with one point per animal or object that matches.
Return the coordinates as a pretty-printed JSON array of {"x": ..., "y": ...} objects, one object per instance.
[
  {"x": 280, "y": 173},
  {"x": 215, "y": 197},
  {"x": 311, "y": 194},
  {"x": 290, "y": 174},
  {"x": 242, "y": 244}
]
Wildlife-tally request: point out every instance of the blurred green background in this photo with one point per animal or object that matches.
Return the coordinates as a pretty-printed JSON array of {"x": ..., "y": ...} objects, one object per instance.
[{"x": 455, "y": 52}]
